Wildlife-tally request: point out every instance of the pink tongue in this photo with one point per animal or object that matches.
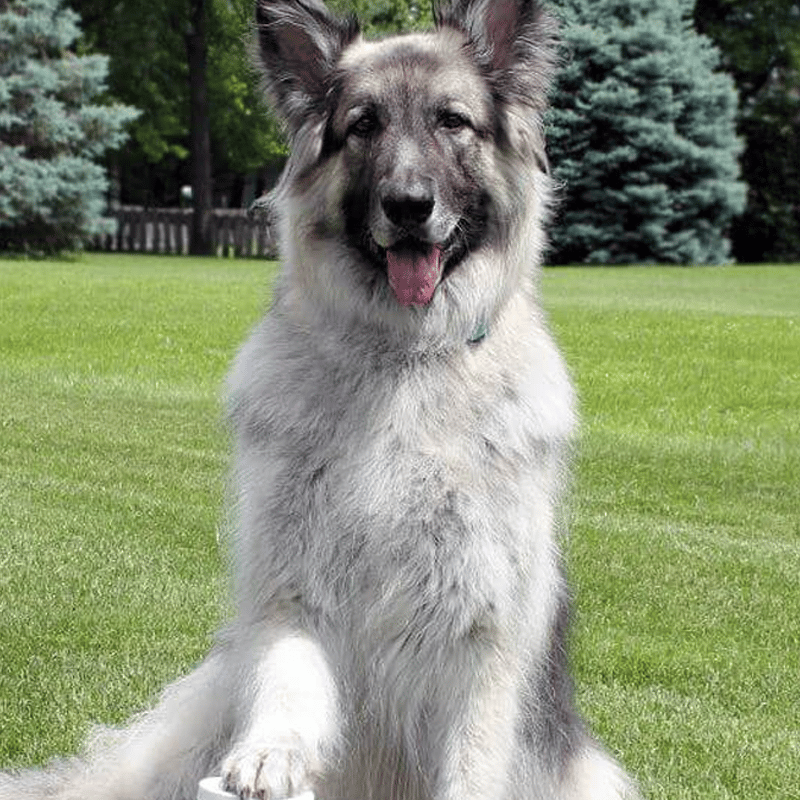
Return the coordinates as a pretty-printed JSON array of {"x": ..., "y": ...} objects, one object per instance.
[{"x": 414, "y": 276}]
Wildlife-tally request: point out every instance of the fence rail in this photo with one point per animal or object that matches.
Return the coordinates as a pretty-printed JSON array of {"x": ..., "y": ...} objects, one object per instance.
[{"x": 169, "y": 230}]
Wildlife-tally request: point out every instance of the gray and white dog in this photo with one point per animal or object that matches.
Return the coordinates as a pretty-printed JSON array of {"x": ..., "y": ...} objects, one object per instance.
[{"x": 402, "y": 421}]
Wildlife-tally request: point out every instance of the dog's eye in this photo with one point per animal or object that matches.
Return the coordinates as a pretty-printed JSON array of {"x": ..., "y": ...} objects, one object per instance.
[
  {"x": 364, "y": 126},
  {"x": 453, "y": 121}
]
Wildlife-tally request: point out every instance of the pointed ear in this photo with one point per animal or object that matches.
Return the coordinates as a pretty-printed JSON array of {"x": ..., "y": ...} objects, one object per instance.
[
  {"x": 513, "y": 41},
  {"x": 299, "y": 43}
]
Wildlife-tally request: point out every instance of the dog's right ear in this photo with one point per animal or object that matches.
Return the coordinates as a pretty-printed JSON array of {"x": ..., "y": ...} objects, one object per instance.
[{"x": 299, "y": 43}]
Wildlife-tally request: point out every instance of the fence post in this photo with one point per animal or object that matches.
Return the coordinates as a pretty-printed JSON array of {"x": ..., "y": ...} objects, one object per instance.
[{"x": 168, "y": 230}]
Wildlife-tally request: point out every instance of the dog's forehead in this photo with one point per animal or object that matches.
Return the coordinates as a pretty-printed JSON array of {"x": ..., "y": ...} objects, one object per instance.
[{"x": 426, "y": 63}]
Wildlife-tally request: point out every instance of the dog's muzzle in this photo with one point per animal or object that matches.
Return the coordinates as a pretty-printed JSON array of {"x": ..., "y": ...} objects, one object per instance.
[{"x": 413, "y": 250}]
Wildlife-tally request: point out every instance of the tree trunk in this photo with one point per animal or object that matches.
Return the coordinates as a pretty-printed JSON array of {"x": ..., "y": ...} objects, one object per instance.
[{"x": 200, "y": 131}]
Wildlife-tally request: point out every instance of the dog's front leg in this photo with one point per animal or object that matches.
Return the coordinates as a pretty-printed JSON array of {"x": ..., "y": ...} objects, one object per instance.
[
  {"x": 289, "y": 719},
  {"x": 479, "y": 748}
]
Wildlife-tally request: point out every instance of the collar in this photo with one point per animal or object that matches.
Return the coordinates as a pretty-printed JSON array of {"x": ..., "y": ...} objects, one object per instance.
[{"x": 479, "y": 333}]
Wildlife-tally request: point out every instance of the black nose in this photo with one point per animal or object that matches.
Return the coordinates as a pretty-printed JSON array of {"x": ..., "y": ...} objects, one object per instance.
[{"x": 408, "y": 207}]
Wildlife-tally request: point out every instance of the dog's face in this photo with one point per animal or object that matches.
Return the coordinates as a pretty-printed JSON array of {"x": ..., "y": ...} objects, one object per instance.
[
  {"x": 412, "y": 127},
  {"x": 407, "y": 152}
]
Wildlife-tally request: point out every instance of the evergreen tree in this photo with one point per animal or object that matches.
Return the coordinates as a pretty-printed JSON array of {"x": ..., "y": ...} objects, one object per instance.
[
  {"x": 52, "y": 191},
  {"x": 642, "y": 137}
]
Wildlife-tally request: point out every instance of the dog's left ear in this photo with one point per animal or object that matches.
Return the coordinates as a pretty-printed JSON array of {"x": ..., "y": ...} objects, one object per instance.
[
  {"x": 513, "y": 41},
  {"x": 299, "y": 43}
]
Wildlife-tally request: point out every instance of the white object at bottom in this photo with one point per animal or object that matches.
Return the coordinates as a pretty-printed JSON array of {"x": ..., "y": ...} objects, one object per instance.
[{"x": 211, "y": 789}]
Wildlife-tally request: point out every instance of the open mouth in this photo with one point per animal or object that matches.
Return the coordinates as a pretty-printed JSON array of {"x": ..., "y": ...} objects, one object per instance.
[
  {"x": 413, "y": 265},
  {"x": 414, "y": 270}
]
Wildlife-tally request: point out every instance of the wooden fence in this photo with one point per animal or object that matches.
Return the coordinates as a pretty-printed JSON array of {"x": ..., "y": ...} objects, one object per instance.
[{"x": 168, "y": 230}]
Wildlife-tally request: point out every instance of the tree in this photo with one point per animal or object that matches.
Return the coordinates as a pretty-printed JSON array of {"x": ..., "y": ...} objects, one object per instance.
[
  {"x": 149, "y": 45},
  {"x": 642, "y": 137},
  {"x": 760, "y": 45},
  {"x": 53, "y": 129},
  {"x": 199, "y": 130},
  {"x": 381, "y": 17}
]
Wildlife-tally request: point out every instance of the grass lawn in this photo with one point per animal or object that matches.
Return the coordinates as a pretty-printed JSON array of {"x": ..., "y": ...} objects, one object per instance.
[{"x": 685, "y": 552}]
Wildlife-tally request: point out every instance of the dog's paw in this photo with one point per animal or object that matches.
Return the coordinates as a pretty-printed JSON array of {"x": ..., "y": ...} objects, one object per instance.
[{"x": 268, "y": 770}]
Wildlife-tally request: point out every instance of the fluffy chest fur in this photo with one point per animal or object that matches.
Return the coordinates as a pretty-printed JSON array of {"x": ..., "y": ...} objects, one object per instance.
[{"x": 401, "y": 495}]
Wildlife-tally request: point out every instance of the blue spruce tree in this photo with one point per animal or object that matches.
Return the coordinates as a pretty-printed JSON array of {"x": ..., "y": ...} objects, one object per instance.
[
  {"x": 53, "y": 130},
  {"x": 642, "y": 137}
]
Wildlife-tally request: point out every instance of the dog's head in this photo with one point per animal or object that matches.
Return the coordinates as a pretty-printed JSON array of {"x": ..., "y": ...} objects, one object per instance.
[{"x": 414, "y": 159}]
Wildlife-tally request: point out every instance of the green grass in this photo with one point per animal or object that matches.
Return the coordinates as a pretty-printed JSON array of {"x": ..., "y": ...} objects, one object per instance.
[
  {"x": 112, "y": 470},
  {"x": 685, "y": 551}
]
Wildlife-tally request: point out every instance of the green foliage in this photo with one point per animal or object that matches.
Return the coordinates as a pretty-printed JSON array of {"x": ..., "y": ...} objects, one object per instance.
[
  {"x": 769, "y": 230},
  {"x": 245, "y": 133},
  {"x": 381, "y": 17},
  {"x": 759, "y": 39},
  {"x": 642, "y": 137},
  {"x": 760, "y": 44},
  {"x": 149, "y": 69},
  {"x": 53, "y": 128}
]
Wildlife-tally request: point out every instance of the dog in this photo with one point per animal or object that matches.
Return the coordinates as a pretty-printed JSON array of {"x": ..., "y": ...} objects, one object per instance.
[{"x": 403, "y": 423}]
